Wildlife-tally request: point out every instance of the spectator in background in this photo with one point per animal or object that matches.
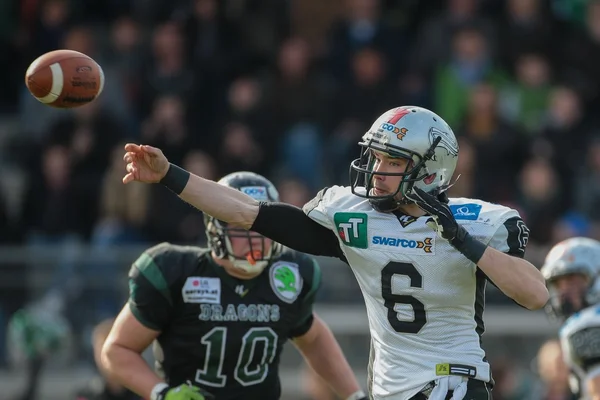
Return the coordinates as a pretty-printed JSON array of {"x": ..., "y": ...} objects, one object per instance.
[
  {"x": 580, "y": 56},
  {"x": 539, "y": 198},
  {"x": 296, "y": 93},
  {"x": 495, "y": 142},
  {"x": 294, "y": 192},
  {"x": 296, "y": 98},
  {"x": 89, "y": 133},
  {"x": 361, "y": 26},
  {"x": 245, "y": 103},
  {"x": 565, "y": 138},
  {"x": 122, "y": 63},
  {"x": 53, "y": 204},
  {"x": 167, "y": 126},
  {"x": 526, "y": 27},
  {"x": 122, "y": 210},
  {"x": 167, "y": 71},
  {"x": 512, "y": 382},
  {"x": 50, "y": 27},
  {"x": 240, "y": 150},
  {"x": 434, "y": 40},
  {"x": 213, "y": 42},
  {"x": 470, "y": 63},
  {"x": 587, "y": 200},
  {"x": 216, "y": 56},
  {"x": 261, "y": 26},
  {"x": 354, "y": 106},
  {"x": 525, "y": 102}
]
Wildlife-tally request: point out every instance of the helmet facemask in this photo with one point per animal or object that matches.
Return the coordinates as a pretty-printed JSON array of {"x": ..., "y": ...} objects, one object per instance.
[
  {"x": 362, "y": 174},
  {"x": 258, "y": 257},
  {"x": 560, "y": 305}
]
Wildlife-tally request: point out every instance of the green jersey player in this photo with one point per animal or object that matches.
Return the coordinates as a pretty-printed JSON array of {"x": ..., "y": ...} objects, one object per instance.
[{"x": 219, "y": 317}]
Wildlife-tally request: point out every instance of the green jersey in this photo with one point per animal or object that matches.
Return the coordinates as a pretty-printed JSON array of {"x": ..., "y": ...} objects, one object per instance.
[{"x": 218, "y": 332}]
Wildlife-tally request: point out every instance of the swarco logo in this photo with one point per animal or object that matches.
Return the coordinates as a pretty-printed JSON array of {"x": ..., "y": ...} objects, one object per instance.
[
  {"x": 352, "y": 229},
  {"x": 425, "y": 245}
]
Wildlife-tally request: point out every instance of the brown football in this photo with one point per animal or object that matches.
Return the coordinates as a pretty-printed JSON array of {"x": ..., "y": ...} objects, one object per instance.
[{"x": 64, "y": 79}]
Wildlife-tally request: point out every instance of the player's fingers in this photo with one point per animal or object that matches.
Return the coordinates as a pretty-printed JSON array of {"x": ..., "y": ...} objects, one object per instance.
[
  {"x": 128, "y": 178},
  {"x": 151, "y": 150},
  {"x": 132, "y": 147},
  {"x": 131, "y": 156},
  {"x": 132, "y": 168}
]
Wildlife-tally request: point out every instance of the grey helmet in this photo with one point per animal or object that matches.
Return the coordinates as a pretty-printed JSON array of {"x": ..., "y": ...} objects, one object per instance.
[
  {"x": 413, "y": 133},
  {"x": 577, "y": 255},
  {"x": 219, "y": 232}
]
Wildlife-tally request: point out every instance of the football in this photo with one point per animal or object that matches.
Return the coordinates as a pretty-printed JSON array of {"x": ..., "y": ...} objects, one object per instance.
[{"x": 64, "y": 79}]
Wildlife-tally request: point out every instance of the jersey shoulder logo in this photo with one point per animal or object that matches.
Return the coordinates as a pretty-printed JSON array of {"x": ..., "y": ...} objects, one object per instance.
[
  {"x": 286, "y": 280},
  {"x": 352, "y": 229},
  {"x": 468, "y": 211}
]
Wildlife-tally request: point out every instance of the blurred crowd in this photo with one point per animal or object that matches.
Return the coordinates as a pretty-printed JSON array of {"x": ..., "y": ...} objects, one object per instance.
[
  {"x": 247, "y": 84},
  {"x": 286, "y": 88}
]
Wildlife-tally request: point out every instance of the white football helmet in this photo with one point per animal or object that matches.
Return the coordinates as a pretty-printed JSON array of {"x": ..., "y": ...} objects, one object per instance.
[
  {"x": 410, "y": 132},
  {"x": 577, "y": 255}
]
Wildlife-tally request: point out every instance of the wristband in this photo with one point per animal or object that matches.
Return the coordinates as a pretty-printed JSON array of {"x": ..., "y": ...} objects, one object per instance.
[
  {"x": 470, "y": 247},
  {"x": 175, "y": 179},
  {"x": 157, "y": 391},
  {"x": 358, "y": 395}
]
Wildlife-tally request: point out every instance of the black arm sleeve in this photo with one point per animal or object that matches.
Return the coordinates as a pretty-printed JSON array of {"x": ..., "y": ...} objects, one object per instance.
[{"x": 288, "y": 225}]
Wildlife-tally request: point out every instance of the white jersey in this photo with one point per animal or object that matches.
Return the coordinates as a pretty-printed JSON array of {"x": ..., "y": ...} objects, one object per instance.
[
  {"x": 424, "y": 299},
  {"x": 580, "y": 342}
]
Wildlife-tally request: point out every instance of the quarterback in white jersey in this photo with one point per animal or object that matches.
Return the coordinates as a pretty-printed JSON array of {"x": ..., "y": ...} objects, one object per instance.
[
  {"x": 421, "y": 260},
  {"x": 424, "y": 299},
  {"x": 572, "y": 273}
]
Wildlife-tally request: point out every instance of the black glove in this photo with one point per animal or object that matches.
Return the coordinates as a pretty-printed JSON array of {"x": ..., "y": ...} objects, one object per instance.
[{"x": 442, "y": 221}]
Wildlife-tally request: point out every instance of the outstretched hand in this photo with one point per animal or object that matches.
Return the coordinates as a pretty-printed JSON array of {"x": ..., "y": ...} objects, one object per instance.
[{"x": 145, "y": 164}]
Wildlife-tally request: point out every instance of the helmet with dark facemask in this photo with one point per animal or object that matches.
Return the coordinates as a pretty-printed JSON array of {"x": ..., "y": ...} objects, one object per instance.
[
  {"x": 575, "y": 256},
  {"x": 219, "y": 233},
  {"x": 412, "y": 133}
]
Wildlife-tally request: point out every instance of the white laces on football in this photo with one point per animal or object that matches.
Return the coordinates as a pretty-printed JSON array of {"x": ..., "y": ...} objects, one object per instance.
[{"x": 457, "y": 384}]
